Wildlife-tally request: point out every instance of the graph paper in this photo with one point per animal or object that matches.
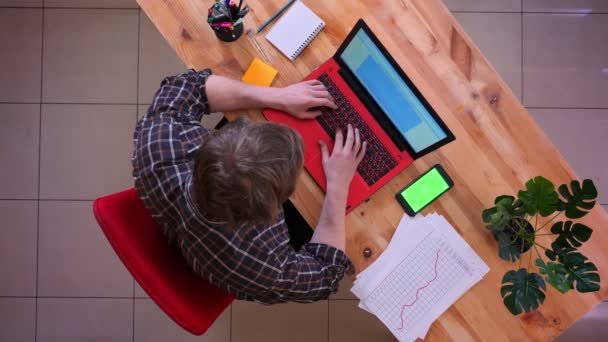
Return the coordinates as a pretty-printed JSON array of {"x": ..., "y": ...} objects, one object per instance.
[
  {"x": 418, "y": 283},
  {"x": 420, "y": 277}
]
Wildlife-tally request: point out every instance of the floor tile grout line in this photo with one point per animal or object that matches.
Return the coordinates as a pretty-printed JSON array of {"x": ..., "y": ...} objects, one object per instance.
[
  {"x": 485, "y": 12},
  {"x": 64, "y": 200},
  {"x": 70, "y": 8},
  {"x": 135, "y": 118},
  {"x": 230, "y": 325},
  {"x": 71, "y": 297},
  {"x": 76, "y": 103},
  {"x": 138, "y": 57},
  {"x": 64, "y": 297},
  {"x": 563, "y": 13},
  {"x": 19, "y": 199},
  {"x": 135, "y": 114},
  {"x": 328, "y": 317},
  {"x": 85, "y": 103},
  {"x": 91, "y": 8},
  {"x": 133, "y": 321},
  {"x": 39, "y": 168}
]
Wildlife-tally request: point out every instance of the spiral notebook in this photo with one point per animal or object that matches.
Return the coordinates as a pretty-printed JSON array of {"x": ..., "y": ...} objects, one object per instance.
[{"x": 295, "y": 30}]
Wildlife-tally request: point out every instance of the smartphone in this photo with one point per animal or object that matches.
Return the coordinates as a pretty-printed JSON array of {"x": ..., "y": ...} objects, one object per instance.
[{"x": 424, "y": 190}]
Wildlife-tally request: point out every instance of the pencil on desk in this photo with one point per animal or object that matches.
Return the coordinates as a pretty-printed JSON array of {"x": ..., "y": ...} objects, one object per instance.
[{"x": 275, "y": 16}]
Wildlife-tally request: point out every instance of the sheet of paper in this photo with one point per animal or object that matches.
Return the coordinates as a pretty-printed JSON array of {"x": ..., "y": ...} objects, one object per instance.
[
  {"x": 425, "y": 269},
  {"x": 405, "y": 238}
]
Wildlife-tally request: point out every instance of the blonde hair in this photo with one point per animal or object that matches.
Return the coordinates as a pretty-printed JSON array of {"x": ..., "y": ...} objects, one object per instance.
[{"x": 245, "y": 171}]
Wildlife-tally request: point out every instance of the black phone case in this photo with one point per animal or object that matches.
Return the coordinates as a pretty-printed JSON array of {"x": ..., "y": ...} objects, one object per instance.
[{"x": 406, "y": 206}]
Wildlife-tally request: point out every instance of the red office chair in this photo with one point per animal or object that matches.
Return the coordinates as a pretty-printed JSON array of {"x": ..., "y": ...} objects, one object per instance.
[{"x": 160, "y": 270}]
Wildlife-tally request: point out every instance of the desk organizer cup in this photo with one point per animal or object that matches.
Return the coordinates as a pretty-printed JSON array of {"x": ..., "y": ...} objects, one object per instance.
[
  {"x": 229, "y": 35},
  {"x": 225, "y": 17}
]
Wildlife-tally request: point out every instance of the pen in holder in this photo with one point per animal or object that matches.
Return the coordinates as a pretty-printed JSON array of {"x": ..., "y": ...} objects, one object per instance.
[{"x": 225, "y": 17}]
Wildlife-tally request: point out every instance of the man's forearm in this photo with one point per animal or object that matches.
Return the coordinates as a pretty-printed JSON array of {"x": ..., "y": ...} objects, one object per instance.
[
  {"x": 225, "y": 94},
  {"x": 331, "y": 228}
]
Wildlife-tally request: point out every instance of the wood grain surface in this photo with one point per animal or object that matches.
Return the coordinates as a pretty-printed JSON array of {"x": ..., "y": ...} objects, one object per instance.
[{"x": 498, "y": 145}]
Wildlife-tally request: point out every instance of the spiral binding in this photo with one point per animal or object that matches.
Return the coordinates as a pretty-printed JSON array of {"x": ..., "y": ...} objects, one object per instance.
[{"x": 307, "y": 41}]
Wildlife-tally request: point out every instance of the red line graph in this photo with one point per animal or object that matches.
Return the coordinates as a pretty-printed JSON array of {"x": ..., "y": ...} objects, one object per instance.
[{"x": 418, "y": 291}]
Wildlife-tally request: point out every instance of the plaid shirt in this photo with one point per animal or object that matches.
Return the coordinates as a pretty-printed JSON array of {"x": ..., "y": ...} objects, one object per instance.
[{"x": 253, "y": 263}]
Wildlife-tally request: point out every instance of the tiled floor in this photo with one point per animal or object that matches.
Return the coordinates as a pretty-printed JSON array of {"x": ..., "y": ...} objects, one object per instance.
[{"x": 75, "y": 74}]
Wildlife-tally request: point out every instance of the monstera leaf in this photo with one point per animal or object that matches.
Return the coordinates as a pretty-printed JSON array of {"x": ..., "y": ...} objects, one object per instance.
[
  {"x": 539, "y": 197},
  {"x": 571, "y": 235},
  {"x": 487, "y": 213},
  {"x": 508, "y": 249},
  {"x": 584, "y": 274},
  {"x": 558, "y": 251},
  {"x": 580, "y": 198},
  {"x": 556, "y": 275},
  {"x": 507, "y": 207},
  {"x": 522, "y": 290},
  {"x": 497, "y": 217}
]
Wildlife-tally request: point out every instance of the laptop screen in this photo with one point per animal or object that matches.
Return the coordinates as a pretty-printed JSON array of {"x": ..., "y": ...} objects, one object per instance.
[{"x": 391, "y": 93}]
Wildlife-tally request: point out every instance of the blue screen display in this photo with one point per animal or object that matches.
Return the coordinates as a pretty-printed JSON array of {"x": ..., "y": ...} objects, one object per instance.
[{"x": 391, "y": 93}]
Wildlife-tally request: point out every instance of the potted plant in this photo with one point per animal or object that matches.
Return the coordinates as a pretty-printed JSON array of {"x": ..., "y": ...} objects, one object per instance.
[{"x": 514, "y": 222}]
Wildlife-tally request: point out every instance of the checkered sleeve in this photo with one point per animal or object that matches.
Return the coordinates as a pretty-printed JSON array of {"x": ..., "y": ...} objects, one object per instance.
[
  {"x": 311, "y": 274},
  {"x": 162, "y": 145},
  {"x": 181, "y": 97}
]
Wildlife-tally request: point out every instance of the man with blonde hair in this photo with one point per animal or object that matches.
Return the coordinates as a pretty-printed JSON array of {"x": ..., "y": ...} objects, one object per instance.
[{"x": 218, "y": 194}]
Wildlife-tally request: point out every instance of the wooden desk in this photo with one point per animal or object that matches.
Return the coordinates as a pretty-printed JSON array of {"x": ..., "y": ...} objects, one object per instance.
[{"x": 498, "y": 145}]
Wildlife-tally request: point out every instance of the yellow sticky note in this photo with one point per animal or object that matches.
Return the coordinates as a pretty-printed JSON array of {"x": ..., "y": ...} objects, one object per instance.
[{"x": 259, "y": 73}]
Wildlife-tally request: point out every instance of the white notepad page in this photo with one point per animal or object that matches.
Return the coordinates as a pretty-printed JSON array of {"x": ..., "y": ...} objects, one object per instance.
[{"x": 295, "y": 30}]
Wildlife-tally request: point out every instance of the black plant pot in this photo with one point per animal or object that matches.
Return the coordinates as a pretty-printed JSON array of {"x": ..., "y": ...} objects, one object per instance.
[
  {"x": 228, "y": 36},
  {"x": 513, "y": 227}
]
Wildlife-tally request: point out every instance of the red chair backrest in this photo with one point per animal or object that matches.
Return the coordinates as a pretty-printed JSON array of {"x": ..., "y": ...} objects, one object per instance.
[{"x": 159, "y": 269}]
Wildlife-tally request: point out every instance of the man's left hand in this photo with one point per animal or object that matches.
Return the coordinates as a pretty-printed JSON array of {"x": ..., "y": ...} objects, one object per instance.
[{"x": 298, "y": 99}]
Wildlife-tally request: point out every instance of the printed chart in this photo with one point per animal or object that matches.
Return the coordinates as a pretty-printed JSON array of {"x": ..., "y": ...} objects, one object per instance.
[
  {"x": 425, "y": 269},
  {"x": 419, "y": 282}
]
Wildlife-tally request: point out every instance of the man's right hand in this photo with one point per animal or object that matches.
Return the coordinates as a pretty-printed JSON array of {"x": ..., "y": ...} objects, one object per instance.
[{"x": 340, "y": 167}]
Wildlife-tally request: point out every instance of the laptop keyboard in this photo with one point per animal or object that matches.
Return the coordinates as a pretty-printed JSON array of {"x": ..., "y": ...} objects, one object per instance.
[{"x": 377, "y": 161}]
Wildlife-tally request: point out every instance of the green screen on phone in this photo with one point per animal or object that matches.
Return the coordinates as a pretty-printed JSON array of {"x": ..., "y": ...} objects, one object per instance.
[{"x": 425, "y": 190}]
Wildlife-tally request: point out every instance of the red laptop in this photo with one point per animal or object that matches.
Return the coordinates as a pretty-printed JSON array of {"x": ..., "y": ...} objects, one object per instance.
[{"x": 375, "y": 95}]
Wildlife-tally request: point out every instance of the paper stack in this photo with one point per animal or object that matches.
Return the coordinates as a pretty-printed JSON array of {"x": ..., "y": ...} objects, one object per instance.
[{"x": 426, "y": 267}]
